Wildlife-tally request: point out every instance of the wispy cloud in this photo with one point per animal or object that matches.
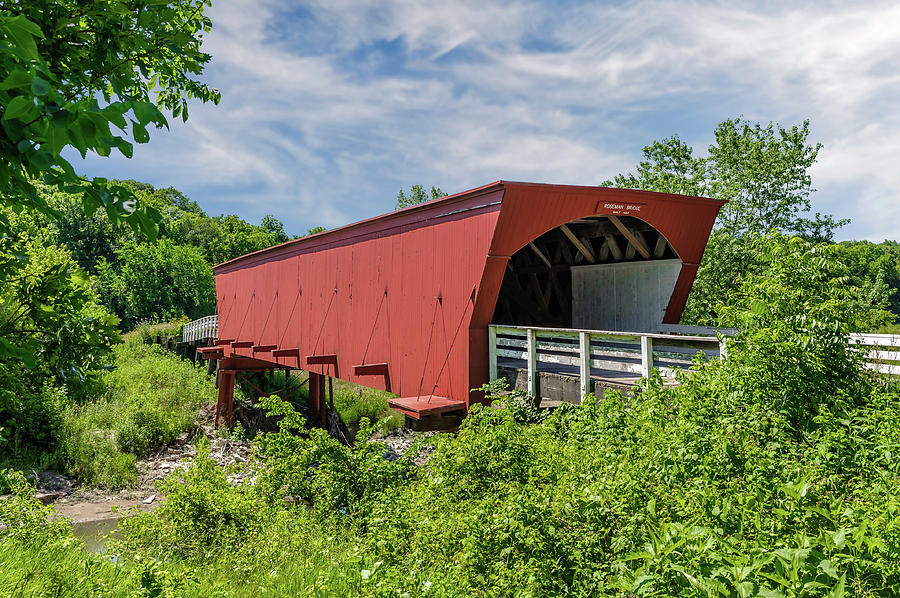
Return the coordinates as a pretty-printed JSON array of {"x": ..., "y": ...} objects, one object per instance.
[{"x": 329, "y": 107}]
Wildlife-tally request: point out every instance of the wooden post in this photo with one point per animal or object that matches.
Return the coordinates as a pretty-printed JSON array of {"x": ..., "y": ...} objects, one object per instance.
[
  {"x": 584, "y": 354},
  {"x": 312, "y": 401},
  {"x": 646, "y": 356},
  {"x": 317, "y": 399},
  {"x": 226, "y": 395},
  {"x": 531, "y": 348},
  {"x": 492, "y": 354}
]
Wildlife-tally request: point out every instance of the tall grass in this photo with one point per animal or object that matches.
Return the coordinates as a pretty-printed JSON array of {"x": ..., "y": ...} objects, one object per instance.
[
  {"x": 353, "y": 402},
  {"x": 151, "y": 397}
]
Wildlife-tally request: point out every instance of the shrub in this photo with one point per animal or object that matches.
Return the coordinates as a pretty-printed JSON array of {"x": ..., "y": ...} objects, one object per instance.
[
  {"x": 152, "y": 397},
  {"x": 354, "y": 402}
]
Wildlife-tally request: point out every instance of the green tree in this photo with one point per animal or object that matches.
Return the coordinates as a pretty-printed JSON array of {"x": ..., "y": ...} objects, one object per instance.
[
  {"x": 47, "y": 306},
  {"x": 763, "y": 173},
  {"x": 417, "y": 195},
  {"x": 275, "y": 227},
  {"x": 55, "y": 336},
  {"x": 875, "y": 268},
  {"x": 157, "y": 281},
  {"x": 85, "y": 75},
  {"x": 669, "y": 166},
  {"x": 237, "y": 237}
]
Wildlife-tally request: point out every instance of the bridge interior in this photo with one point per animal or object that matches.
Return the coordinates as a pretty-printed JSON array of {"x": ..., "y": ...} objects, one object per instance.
[{"x": 537, "y": 287}]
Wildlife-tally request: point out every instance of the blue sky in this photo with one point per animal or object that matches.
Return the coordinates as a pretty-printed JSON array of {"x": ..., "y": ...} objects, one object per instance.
[{"x": 330, "y": 107}]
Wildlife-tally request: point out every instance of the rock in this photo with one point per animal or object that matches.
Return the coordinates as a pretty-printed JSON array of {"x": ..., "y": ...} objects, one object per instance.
[
  {"x": 182, "y": 438},
  {"x": 51, "y": 481},
  {"x": 48, "y": 497},
  {"x": 149, "y": 499}
]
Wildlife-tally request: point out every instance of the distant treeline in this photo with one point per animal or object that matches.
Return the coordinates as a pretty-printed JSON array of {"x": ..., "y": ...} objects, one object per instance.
[{"x": 139, "y": 279}]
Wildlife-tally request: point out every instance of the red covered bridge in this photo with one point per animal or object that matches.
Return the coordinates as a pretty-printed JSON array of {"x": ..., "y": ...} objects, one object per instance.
[{"x": 403, "y": 301}]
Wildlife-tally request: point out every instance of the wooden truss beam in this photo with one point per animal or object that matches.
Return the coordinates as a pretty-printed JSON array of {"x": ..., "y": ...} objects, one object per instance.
[
  {"x": 541, "y": 255},
  {"x": 614, "y": 248},
  {"x": 660, "y": 246},
  {"x": 579, "y": 244},
  {"x": 633, "y": 237}
]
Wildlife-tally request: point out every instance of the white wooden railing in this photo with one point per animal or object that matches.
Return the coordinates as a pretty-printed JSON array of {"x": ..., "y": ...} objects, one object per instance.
[
  {"x": 198, "y": 330},
  {"x": 879, "y": 350},
  {"x": 595, "y": 351}
]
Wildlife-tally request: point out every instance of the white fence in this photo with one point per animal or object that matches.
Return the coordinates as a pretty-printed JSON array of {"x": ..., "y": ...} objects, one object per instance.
[
  {"x": 198, "y": 330},
  {"x": 879, "y": 350},
  {"x": 595, "y": 353}
]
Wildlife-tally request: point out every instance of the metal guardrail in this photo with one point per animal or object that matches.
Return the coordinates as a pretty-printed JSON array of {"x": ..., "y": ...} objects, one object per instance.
[{"x": 201, "y": 329}]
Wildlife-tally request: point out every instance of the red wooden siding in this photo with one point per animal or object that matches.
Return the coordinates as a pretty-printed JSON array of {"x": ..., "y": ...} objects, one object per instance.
[{"x": 416, "y": 288}]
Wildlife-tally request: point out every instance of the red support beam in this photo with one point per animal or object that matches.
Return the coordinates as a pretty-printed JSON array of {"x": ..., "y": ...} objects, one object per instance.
[
  {"x": 242, "y": 344},
  {"x": 264, "y": 348},
  {"x": 330, "y": 359},
  {"x": 374, "y": 369},
  {"x": 371, "y": 369},
  {"x": 210, "y": 352},
  {"x": 226, "y": 395},
  {"x": 224, "y": 342}
]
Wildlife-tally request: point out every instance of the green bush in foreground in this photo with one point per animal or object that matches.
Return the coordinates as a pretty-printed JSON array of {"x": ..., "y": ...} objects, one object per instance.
[{"x": 727, "y": 485}]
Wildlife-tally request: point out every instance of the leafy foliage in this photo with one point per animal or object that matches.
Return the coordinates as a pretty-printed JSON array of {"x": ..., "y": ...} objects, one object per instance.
[
  {"x": 62, "y": 59},
  {"x": 55, "y": 338},
  {"x": 158, "y": 281},
  {"x": 524, "y": 409},
  {"x": 417, "y": 195},
  {"x": 152, "y": 397}
]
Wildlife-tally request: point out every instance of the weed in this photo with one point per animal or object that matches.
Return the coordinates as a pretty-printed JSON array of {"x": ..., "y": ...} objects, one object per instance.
[{"x": 152, "y": 397}]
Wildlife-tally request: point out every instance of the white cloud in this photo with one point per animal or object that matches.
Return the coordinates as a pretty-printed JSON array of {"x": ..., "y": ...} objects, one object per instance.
[{"x": 316, "y": 126}]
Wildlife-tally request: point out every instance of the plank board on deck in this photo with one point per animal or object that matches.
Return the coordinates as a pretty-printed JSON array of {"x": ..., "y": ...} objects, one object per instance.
[{"x": 418, "y": 407}]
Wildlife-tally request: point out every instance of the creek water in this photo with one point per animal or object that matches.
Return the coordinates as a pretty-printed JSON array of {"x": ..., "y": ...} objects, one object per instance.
[{"x": 94, "y": 534}]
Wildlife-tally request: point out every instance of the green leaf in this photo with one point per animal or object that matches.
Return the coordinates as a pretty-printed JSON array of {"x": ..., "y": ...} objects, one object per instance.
[
  {"x": 40, "y": 87},
  {"x": 41, "y": 159},
  {"x": 139, "y": 132},
  {"x": 88, "y": 130},
  {"x": 19, "y": 106},
  {"x": 147, "y": 112},
  {"x": 28, "y": 26},
  {"x": 838, "y": 590},
  {"x": 124, "y": 146},
  {"x": 17, "y": 79},
  {"x": 22, "y": 31},
  {"x": 62, "y": 118}
]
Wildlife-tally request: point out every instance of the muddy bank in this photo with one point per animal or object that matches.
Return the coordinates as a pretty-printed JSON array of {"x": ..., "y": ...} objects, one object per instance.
[
  {"x": 83, "y": 505},
  {"x": 88, "y": 505}
]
